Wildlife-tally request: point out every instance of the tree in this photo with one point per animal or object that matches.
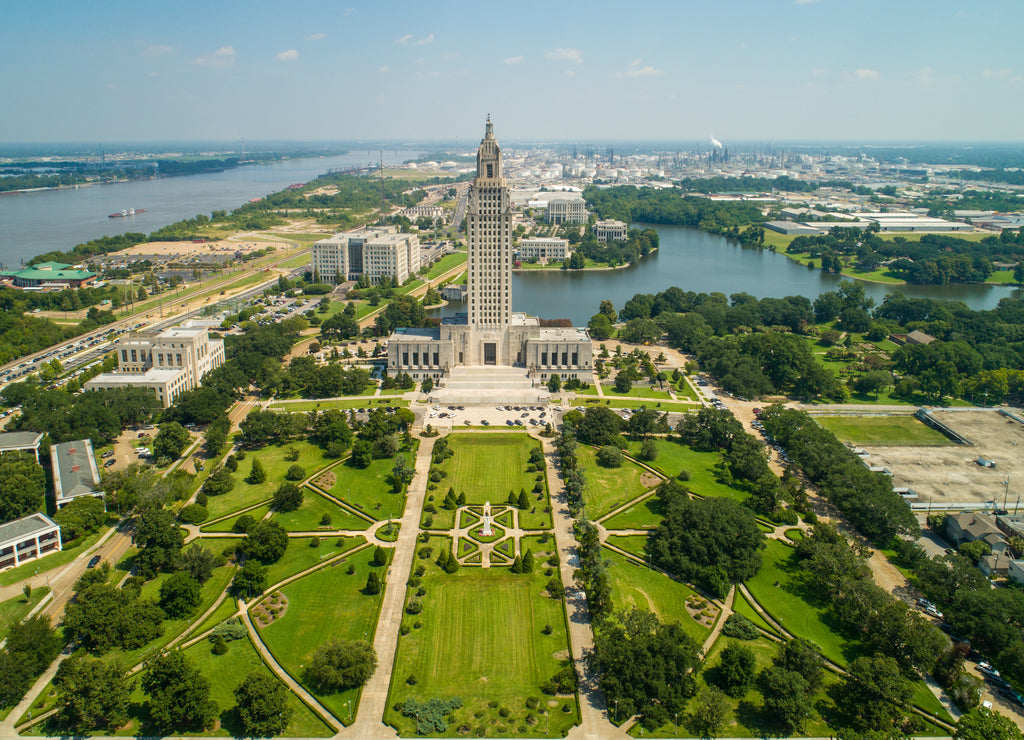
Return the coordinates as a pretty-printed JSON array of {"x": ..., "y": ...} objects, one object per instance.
[
  {"x": 179, "y": 694},
  {"x": 266, "y": 542},
  {"x": 341, "y": 664},
  {"x": 984, "y": 724},
  {"x": 735, "y": 670},
  {"x": 250, "y": 581},
  {"x": 262, "y": 705},
  {"x": 179, "y": 595},
  {"x": 287, "y": 497},
  {"x": 170, "y": 440},
  {"x": 92, "y": 694},
  {"x": 710, "y": 713},
  {"x": 23, "y": 482},
  {"x": 257, "y": 474}
]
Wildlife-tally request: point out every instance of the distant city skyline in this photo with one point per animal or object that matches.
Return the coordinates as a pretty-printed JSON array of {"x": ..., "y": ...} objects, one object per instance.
[{"x": 750, "y": 70}]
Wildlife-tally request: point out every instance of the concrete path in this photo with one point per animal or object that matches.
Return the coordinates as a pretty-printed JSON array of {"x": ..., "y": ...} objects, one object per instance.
[
  {"x": 594, "y": 721},
  {"x": 373, "y": 702}
]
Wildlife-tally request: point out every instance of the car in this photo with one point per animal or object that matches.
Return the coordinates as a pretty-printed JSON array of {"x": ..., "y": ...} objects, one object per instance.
[
  {"x": 94, "y": 561},
  {"x": 108, "y": 463}
]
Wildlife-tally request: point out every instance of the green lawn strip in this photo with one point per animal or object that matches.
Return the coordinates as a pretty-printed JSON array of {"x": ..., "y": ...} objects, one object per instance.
[
  {"x": 272, "y": 457},
  {"x": 358, "y": 402},
  {"x": 486, "y": 467},
  {"x": 300, "y": 555},
  {"x": 882, "y": 430},
  {"x": 643, "y": 514},
  {"x": 741, "y": 605},
  {"x": 325, "y": 605},
  {"x": 367, "y": 490},
  {"x": 226, "y": 671},
  {"x": 746, "y": 718},
  {"x": 633, "y": 584},
  {"x": 792, "y": 604},
  {"x": 608, "y": 488},
  {"x": 314, "y": 507},
  {"x": 637, "y": 391},
  {"x": 14, "y": 610},
  {"x": 226, "y": 524},
  {"x": 446, "y": 263},
  {"x": 632, "y": 543},
  {"x": 501, "y": 659},
  {"x": 54, "y": 560},
  {"x": 674, "y": 457}
]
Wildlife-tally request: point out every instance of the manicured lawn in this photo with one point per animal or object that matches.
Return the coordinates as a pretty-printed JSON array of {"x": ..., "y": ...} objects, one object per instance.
[
  {"x": 482, "y": 639},
  {"x": 446, "y": 263},
  {"x": 274, "y": 463},
  {"x": 609, "y": 488},
  {"x": 882, "y": 430},
  {"x": 674, "y": 457},
  {"x": 300, "y": 555},
  {"x": 14, "y": 610},
  {"x": 314, "y": 507},
  {"x": 634, "y": 585},
  {"x": 486, "y": 467},
  {"x": 326, "y": 605},
  {"x": 792, "y": 604},
  {"x": 225, "y": 525},
  {"x": 637, "y": 391},
  {"x": 632, "y": 543},
  {"x": 226, "y": 671},
  {"x": 54, "y": 560},
  {"x": 367, "y": 490},
  {"x": 641, "y": 515}
]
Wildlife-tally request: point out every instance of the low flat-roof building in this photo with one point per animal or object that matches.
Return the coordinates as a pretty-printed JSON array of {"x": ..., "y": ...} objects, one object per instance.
[
  {"x": 21, "y": 442},
  {"x": 610, "y": 229},
  {"x": 28, "y": 538},
  {"x": 168, "y": 363},
  {"x": 543, "y": 249},
  {"x": 74, "y": 471}
]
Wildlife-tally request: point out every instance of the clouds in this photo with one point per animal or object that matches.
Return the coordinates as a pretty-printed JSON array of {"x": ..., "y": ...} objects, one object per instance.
[
  {"x": 410, "y": 40},
  {"x": 637, "y": 68},
  {"x": 573, "y": 56},
  {"x": 513, "y": 60},
  {"x": 287, "y": 56},
  {"x": 223, "y": 57}
]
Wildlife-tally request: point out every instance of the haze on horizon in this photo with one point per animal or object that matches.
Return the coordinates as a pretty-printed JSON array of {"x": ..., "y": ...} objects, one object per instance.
[{"x": 786, "y": 70}]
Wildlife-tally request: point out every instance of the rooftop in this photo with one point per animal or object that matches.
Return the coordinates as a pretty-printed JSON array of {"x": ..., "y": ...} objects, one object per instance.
[{"x": 27, "y": 526}]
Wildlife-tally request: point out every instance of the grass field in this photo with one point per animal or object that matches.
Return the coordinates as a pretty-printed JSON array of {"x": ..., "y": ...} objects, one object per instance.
[
  {"x": 634, "y": 585},
  {"x": 609, "y": 488},
  {"x": 274, "y": 463},
  {"x": 14, "y": 610},
  {"x": 792, "y": 604},
  {"x": 314, "y": 507},
  {"x": 326, "y": 605},
  {"x": 882, "y": 430},
  {"x": 366, "y": 489},
  {"x": 487, "y": 466},
  {"x": 482, "y": 639}
]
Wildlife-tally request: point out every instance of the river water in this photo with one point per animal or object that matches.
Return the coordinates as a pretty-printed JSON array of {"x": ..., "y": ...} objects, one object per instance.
[
  {"x": 47, "y": 220},
  {"x": 703, "y": 263}
]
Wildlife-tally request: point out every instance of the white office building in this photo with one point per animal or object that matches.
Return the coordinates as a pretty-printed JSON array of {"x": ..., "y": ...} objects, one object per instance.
[{"x": 169, "y": 363}]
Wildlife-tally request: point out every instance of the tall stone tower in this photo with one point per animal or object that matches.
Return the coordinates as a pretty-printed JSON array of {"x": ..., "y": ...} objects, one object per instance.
[{"x": 489, "y": 234}]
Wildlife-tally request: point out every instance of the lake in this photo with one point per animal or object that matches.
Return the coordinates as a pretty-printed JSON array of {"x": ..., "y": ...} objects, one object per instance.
[{"x": 703, "y": 263}]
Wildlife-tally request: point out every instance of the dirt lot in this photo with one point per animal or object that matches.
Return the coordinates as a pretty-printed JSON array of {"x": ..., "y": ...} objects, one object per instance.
[{"x": 950, "y": 474}]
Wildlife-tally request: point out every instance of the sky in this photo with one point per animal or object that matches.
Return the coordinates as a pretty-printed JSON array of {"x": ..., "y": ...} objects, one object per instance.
[{"x": 554, "y": 70}]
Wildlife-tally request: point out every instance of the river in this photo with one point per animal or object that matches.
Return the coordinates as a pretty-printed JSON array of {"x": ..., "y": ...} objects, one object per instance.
[
  {"x": 43, "y": 221},
  {"x": 703, "y": 263}
]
